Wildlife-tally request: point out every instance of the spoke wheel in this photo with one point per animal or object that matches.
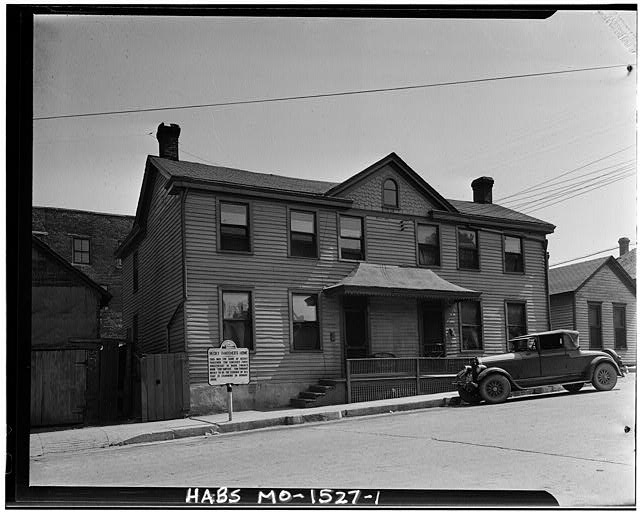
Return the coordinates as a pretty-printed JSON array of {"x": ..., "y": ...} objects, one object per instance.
[
  {"x": 495, "y": 388},
  {"x": 604, "y": 377},
  {"x": 574, "y": 387}
]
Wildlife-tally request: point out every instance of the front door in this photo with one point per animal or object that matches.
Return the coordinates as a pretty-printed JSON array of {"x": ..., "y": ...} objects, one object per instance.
[
  {"x": 355, "y": 327},
  {"x": 432, "y": 330}
]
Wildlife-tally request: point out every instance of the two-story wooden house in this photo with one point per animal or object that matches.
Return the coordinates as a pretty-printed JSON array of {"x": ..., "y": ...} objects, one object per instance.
[{"x": 307, "y": 273}]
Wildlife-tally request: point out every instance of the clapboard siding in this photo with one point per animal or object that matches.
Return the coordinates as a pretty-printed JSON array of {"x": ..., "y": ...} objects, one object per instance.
[
  {"x": 367, "y": 195},
  {"x": 390, "y": 241},
  {"x": 270, "y": 275},
  {"x": 562, "y": 312},
  {"x": 607, "y": 288},
  {"x": 394, "y": 326},
  {"x": 160, "y": 287}
]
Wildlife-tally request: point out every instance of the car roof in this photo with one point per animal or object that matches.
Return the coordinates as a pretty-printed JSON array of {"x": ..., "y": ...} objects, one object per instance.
[{"x": 552, "y": 332}]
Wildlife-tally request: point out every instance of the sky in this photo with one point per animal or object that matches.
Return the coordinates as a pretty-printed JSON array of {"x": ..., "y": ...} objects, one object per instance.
[{"x": 566, "y": 134}]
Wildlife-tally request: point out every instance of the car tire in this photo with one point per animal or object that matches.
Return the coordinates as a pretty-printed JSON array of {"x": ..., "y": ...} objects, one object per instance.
[
  {"x": 495, "y": 388},
  {"x": 469, "y": 397},
  {"x": 573, "y": 387},
  {"x": 604, "y": 377}
]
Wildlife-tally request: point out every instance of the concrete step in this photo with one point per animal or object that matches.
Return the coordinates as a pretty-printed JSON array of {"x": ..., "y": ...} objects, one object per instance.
[
  {"x": 322, "y": 389},
  {"x": 310, "y": 395},
  {"x": 298, "y": 402}
]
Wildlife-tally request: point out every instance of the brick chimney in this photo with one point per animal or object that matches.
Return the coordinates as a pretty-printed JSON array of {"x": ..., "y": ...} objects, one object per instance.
[
  {"x": 624, "y": 245},
  {"x": 168, "y": 138},
  {"x": 482, "y": 188}
]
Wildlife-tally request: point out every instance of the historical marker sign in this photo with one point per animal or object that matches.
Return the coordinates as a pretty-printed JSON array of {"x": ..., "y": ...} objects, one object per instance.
[{"x": 228, "y": 364}]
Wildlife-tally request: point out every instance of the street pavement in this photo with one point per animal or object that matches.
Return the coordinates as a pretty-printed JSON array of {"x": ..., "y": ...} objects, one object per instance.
[{"x": 579, "y": 447}]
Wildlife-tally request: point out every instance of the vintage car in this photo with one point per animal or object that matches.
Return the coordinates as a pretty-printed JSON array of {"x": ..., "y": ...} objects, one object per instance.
[{"x": 547, "y": 358}]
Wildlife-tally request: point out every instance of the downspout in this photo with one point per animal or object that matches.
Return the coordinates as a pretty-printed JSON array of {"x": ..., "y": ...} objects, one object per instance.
[
  {"x": 546, "y": 282},
  {"x": 183, "y": 201}
]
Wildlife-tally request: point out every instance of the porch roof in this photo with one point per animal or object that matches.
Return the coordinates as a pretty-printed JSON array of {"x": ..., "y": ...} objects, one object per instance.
[{"x": 391, "y": 280}]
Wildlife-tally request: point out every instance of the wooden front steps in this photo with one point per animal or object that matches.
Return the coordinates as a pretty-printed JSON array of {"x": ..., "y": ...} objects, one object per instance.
[{"x": 313, "y": 395}]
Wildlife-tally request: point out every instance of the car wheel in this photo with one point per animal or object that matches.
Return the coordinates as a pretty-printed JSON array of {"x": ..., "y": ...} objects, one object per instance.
[
  {"x": 574, "y": 387},
  {"x": 495, "y": 388},
  {"x": 469, "y": 397},
  {"x": 604, "y": 377}
]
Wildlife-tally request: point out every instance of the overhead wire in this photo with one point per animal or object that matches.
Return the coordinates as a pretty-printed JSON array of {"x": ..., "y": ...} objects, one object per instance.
[
  {"x": 585, "y": 256},
  {"x": 328, "y": 95}
]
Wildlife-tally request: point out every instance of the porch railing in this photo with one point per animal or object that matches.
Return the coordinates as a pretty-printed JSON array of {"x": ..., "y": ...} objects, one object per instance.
[{"x": 371, "y": 379}]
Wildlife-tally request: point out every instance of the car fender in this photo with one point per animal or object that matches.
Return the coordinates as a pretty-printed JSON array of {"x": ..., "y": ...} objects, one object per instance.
[
  {"x": 498, "y": 370},
  {"x": 616, "y": 358},
  {"x": 600, "y": 359}
]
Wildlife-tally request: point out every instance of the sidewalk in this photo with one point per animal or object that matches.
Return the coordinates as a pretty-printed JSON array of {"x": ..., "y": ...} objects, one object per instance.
[{"x": 82, "y": 439}]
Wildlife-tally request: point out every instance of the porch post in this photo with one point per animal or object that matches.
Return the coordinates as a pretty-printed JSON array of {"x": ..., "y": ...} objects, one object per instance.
[
  {"x": 348, "y": 367},
  {"x": 418, "y": 376}
]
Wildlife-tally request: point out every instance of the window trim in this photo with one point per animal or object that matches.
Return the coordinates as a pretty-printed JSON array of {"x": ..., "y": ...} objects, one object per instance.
[
  {"x": 81, "y": 238},
  {"x": 237, "y": 288},
  {"x": 135, "y": 265},
  {"x": 417, "y": 224},
  {"x": 623, "y": 307},
  {"x": 389, "y": 205},
  {"x": 317, "y": 293},
  {"x": 460, "y": 324},
  {"x": 364, "y": 238},
  {"x": 504, "y": 254},
  {"x": 315, "y": 227},
  {"x": 507, "y": 302},
  {"x": 472, "y": 269},
  {"x": 249, "y": 205}
]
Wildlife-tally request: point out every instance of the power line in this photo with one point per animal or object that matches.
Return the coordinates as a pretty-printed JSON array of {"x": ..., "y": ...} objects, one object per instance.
[
  {"x": 559, "y": 191},
  {"x": 628, "y": 175},
  {"x": 328, "y": 95},
  {"x": 585, "y": 256},
  {"x": 534, "y": 187}
]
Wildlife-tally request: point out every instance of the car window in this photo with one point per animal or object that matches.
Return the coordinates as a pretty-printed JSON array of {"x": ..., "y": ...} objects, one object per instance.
[
  {"x": 550, "y": 342},
  {"x": 523, "y": 344}
]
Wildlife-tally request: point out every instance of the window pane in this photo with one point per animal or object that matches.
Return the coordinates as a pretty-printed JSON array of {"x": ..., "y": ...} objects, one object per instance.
[
  {"x": 470, "y": 312},
  {"x": 428, "y": 235},
  {"x": 428, "y": 255},
  {"x": 303, "y": 222},
  {"x": 305, "y": 307},
  {"x": 351, "y": 227},
  {"x": 467, "y": 239},
  {"x": 390, "y": 195},
  {"x": 303, "y": 245},
  {"x": 471, "y": 337},
  {"x": 468, "y": 258},
  {"x": 619, "y": 320},
  {"x": 351, "y": 249},
  {"x": 235, "y": 238},
  {"x": 239, "y": 332},
  {"x": 515, "y": 313},
  {"x": 306, "y": 336},
  {"x": 236, "y": 305},
  {"x": 513, "y": 245},
  {"x": 231, "y": 213}
]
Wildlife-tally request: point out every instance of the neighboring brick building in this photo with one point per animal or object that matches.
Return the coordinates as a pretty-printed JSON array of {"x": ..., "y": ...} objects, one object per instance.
[{"x": 87, "y": 240}]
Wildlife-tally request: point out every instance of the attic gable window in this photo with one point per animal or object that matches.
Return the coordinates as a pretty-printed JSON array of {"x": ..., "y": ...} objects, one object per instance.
[
  {"x": 390, "y": 193},
  {"x": 234, "y": 227},
  {"x": 81, "y": 251}
]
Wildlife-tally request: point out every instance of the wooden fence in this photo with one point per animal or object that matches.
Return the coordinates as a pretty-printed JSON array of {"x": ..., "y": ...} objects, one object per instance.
[
  {"x": 164, "y": 386},
  {"x": 372, "y": 379}
]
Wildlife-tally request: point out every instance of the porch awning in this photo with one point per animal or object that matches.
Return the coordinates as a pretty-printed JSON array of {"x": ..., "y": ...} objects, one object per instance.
[{"x": 391, "y": 280}]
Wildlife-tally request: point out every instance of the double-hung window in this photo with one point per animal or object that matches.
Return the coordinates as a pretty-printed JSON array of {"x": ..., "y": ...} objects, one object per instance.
[
  {"x": 471, "y": 325},
  {"x": 302, "y": 234},
  {"x": 304, "y": 320},
  {"x": 513, "y": 259},
  {"x": 237, "y": 318},
  {"x": 351, "y": 238},
  {"x": 620, "y": 326},
  {"x": 516, "y": 320},
  {"x": 81, "y": 251},
  {"x": 428, "y": 245},
  {"x": 234, "y": 227},
  {"x": 468, "y": 249},
  {"x": 595, "y": 325}
]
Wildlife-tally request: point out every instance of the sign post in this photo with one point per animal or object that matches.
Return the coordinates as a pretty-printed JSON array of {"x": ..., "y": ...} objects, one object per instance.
[{"x": 228, "y": 365}]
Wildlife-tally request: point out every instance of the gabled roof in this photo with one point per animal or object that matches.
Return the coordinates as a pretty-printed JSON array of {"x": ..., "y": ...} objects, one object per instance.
[
  {"x": 571, "y": 278},
  {"x": 628, "y": 262},
  {"x": 401, "y": 167},
  {"x": 392, "y": 280},
  {"x": 494, "y": 211},
  {"x": 105, "y": 296}
]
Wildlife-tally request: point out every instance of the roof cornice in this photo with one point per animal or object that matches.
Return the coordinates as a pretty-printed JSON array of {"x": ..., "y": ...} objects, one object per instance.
[{"x": 492, "y": 221}]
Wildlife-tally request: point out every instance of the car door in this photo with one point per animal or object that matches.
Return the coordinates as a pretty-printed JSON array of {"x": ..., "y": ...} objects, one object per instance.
[
  {"x": 527, "y": 369},
  {"x": 554, "y": 360}
]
